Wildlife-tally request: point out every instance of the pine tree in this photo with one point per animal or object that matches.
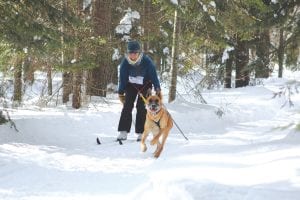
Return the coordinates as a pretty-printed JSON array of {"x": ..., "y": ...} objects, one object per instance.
[
  {"x": 30, "y": 27},
  {"x": 102, "y": 12}
]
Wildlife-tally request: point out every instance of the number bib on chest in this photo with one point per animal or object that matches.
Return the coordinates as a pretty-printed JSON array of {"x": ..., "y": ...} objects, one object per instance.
[{"x": 137, "y": 80}]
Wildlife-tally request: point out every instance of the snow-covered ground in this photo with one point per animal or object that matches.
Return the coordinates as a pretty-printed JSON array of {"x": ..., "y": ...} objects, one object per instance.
[{"x": 252, "y": 152}]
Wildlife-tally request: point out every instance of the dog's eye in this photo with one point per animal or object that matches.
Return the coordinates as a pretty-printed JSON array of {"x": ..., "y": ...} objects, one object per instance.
[{"x": 155, "y": 101}]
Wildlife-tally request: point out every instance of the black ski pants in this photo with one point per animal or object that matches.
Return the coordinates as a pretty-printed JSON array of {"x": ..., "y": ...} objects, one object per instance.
[{"x": 131, "y": 93}]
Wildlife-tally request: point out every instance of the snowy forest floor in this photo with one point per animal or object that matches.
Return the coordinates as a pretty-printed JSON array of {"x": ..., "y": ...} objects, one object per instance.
[{"x": 251, "y": 152}]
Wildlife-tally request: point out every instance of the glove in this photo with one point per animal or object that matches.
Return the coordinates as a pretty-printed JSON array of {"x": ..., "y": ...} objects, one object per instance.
[{"x": 122, "y": 98}]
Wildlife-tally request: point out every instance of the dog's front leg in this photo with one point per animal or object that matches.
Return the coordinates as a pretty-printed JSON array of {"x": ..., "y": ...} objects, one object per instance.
[
  {"x": 144, "y": 137},
  {"x": 158, "y": 150},
  {"x": 160, "y": 145},
  {"x": 156, "y": 135}
]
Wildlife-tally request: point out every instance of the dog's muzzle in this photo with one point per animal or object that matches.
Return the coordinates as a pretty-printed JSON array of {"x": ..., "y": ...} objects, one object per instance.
[{"x": 153, "y": 105}]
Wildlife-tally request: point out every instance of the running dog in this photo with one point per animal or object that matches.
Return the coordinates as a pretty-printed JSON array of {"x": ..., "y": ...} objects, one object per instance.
[{"x": 158, "y": 121}]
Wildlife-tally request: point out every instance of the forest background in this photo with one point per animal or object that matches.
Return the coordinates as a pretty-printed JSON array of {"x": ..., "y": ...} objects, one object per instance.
[{"x": 226, "y": 44}]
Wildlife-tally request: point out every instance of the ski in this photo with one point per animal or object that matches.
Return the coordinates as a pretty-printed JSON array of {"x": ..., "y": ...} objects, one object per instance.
[
  {"x": 99, "y": 142},
  {"x": 117, "y": 140}
]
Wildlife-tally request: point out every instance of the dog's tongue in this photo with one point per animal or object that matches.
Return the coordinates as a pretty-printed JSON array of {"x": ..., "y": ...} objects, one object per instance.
[{"x": 152, "y": 109}]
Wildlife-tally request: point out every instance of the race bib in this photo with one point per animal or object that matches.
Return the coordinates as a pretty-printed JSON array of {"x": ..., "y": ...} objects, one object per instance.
[{"x": 137, "y": 80}]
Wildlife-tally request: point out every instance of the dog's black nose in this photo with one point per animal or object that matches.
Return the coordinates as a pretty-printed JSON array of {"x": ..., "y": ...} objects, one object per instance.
[{"x": 153, "y": 107}]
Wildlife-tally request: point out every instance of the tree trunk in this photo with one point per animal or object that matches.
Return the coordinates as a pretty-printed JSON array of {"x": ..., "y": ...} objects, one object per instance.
[
  {"x": 18, "y": 79},
  {"x": 77, "y": 75},
  {"x": 99, "y": 76},
  {"x": 28, "y": 71},
  {"x": 114, "y": 22},
  {"x": 146, "y": 25},
  {"x": 76, "y": 98},
  {"x": 228, "y": 70},
  {"x": 49, "y": 79},
  {"x": 262, "y": 68},
  {"x": 241, "y": 60},
  {"x": 151, "y": 27},
  {"x": 174, "y": 67},
  {"x": 67, "y": 86},
  {"x": 92, "y": 88},
  {"x": 280, "y": 53},
  {"x": 67, "y": 76}
]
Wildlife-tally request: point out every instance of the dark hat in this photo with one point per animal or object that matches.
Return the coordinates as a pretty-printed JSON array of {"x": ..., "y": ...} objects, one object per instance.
[{"x": 133, "y": 46}]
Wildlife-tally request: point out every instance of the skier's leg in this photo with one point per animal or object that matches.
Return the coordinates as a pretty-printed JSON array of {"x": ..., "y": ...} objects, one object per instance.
[{"x": 126, "y": 114}]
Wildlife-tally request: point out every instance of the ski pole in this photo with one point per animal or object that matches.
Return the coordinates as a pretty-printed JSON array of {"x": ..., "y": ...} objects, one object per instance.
[
  {"x": 176, "y": 124},
  {"x": 179, "y": 129}
]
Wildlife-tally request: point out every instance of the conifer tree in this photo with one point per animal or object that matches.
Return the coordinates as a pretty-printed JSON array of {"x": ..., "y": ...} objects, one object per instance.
[{"x": 31, "y": 26}]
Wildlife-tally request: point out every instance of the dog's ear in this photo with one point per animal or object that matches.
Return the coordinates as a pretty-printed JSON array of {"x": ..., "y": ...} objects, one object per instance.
[
  {"x": 158, "y": 93},
  {"x": 149, "y": 92}
]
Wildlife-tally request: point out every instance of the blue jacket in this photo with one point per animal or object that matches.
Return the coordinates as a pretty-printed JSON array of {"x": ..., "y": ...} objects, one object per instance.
[{"x": 144, "y": 72}]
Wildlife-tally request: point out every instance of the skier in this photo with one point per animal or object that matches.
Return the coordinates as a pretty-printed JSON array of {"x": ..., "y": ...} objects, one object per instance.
[{"x": 137, "y": 75}]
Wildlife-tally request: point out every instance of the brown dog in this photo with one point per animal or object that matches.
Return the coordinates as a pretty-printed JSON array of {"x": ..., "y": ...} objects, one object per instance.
[{"x": 158, "y": 121}]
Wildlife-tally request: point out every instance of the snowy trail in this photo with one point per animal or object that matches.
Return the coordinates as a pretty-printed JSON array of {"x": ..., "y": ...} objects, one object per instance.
[{"x": 252, "y": 152}]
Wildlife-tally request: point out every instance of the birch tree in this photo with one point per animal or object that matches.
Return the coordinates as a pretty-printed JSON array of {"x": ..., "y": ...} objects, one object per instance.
[{"x": 174, "y": 67}]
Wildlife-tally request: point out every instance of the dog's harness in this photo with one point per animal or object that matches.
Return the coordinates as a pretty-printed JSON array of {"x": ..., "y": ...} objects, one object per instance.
[{"x": 157, "y": 123}]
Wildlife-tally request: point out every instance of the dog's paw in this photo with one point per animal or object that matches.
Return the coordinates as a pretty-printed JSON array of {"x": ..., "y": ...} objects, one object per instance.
[
  {"x": 153, "y": 142},
  {"x": 156, "y": 155},
  {"x": 143, "y": 147},
  {"x": 157, "y": 152}
]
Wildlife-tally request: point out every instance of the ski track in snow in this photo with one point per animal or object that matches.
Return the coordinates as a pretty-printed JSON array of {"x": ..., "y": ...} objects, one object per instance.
[{"x": 251, "y": 153}]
